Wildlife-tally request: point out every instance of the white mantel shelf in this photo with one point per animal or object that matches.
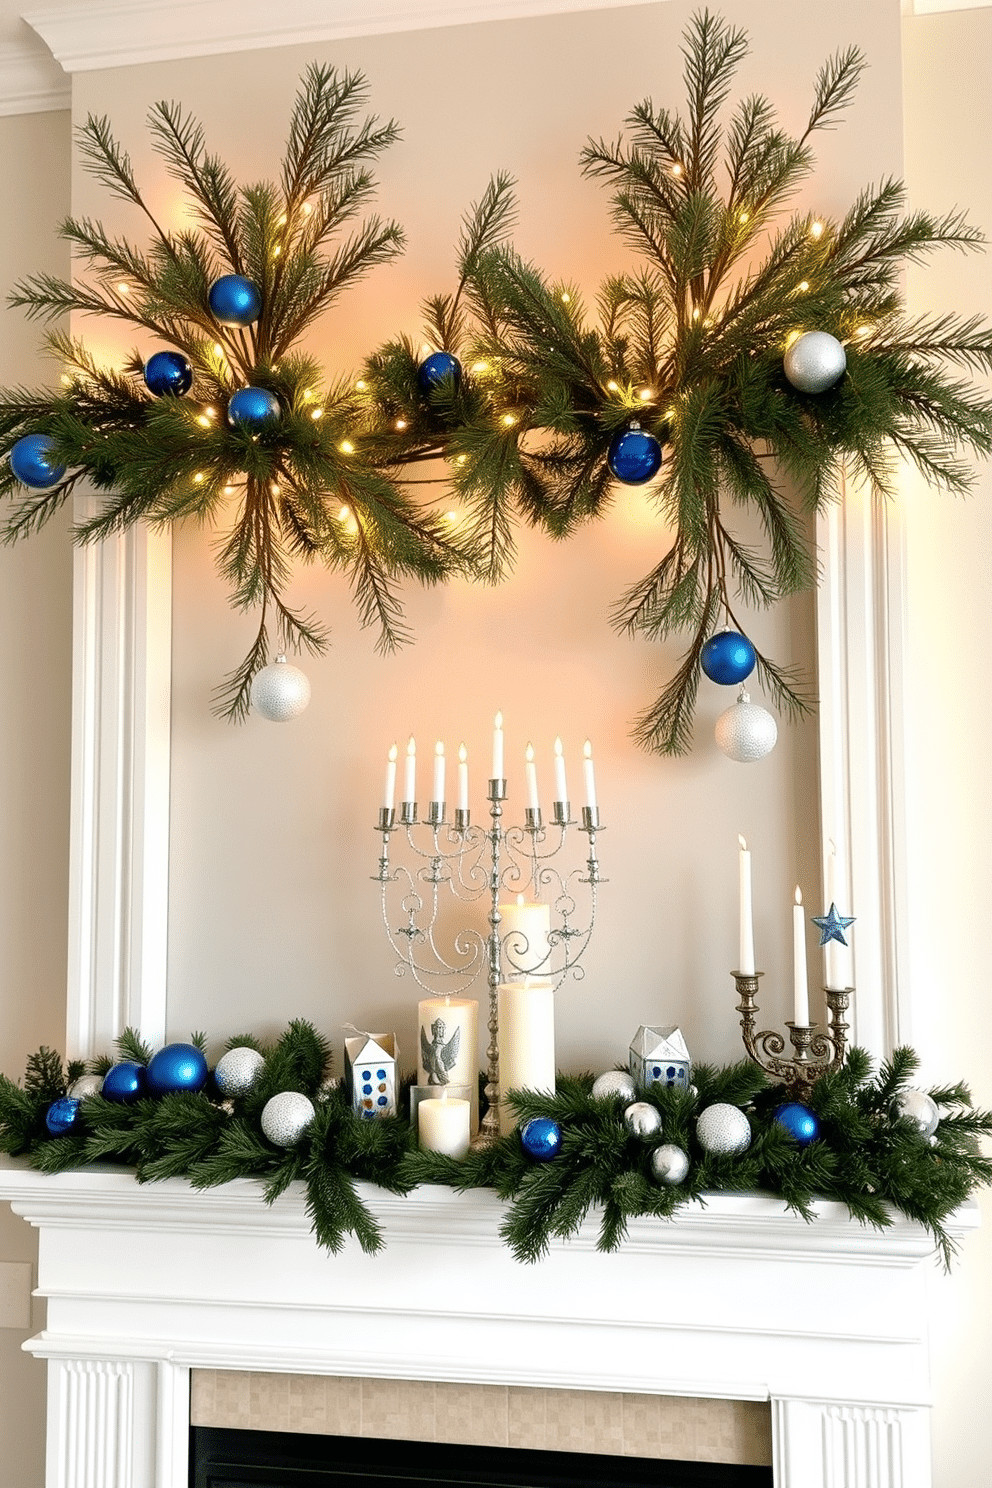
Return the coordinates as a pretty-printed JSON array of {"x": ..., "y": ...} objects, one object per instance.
[{"x": 738, "y": 1299}]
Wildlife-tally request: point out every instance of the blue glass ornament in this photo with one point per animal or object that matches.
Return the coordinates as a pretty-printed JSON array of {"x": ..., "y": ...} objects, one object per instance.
[
  {"x": 437, "y": 369},
  {"x": 168, "y": 373},
  {"x": 124, "y": 1083},
  {"x": 235, "y": 300},
  {"x": 33, "y": 463},
  {"x": 176, "y": 1067},
  {"x": 634, "y": 456},
  {"x": 727, "y": 657},
  {"x": 541, "y": 1138},
  {"x": 61, "y": 1115},
  {"x": 253, "y": 408},
  {"x": 798, "y": 1121}
]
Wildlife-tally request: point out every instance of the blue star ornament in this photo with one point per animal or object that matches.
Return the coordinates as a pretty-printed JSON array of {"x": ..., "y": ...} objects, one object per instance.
[{"x": 832, "y": 925}]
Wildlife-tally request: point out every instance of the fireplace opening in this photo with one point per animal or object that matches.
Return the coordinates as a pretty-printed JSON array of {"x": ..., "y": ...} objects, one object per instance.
[{"x": 222, "y": 1457}]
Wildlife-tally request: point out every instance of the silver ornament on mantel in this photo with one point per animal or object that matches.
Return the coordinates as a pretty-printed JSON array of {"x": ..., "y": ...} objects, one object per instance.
[
  {"x": 745, "y": 731},
  {"x": 615, "y": 1083},
  {"x": 86, "y": 1085},
  {"x": 238, "y": 1070},
  {"x": 642, "y": 1119},
  {"x": 669, "y": 1164},
  {"x": 917, "y": 1107},
  {"x": 814, "y": 362},
  {"x": 280, "y": 691},
  {"x": 286, "y": 1117},
  {"x": 723, "y": 1129}
]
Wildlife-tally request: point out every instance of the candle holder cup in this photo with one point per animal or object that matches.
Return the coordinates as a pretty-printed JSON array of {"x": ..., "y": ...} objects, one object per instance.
[{"x": 815, "y": 1050}]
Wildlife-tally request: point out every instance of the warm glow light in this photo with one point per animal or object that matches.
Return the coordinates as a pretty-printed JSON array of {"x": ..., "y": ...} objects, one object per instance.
[
  {"x": 696, "y": 313},
  {"x": 509, "y": 420},
  {"x": 745, "y": 216},
  {"x": 282, "y": 220},
  {"x": 565, "y": 297},
  {"x": 361, "y": 386},
  {"x": 461, "y": 459},
  {"x": 123, "y": 289},
  {"x": 344, "y": 514},
  {"x": 218, "y": 349},
  {"x": 307, "y": 209},
  {"x": 612, "y": 387},
  {"x": 203, "y": 421},
  {"x": 646, "y": 394},
  {"x": 346, "y": 447},
  {"x": 199, "y": 477},
  {"x": 803, "y": 287},
  {"x": 478, "y": 367},
  {"x": 228, "y": 490},
  {"x": 274, "y": 488},
  {"x": 308, "y": 395},
  {"x": 816, "y": 231},
  {"x": 451, "y": 517},
  {"x": 317, "y": 413},
  {"x": 401, "y": 424},
  {"x": 276, "y": 251},
  {"x": 676, "y": 169},
  {"x": 792, "y": 336},
  {"x": 864, "y": 330}
]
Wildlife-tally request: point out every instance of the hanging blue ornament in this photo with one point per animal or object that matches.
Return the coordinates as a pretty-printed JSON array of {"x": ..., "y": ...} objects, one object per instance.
[
  {"x": 799, "y": 1122},
  {"x": 634, "y": 455},
  {"x": 61, "y": 1115},
  {"x": 436, "y": 370},
  {"x": 727, "y": 657},
  {"x": 176, "y": 1067},
  {"x": 541, "y": 1138},
  {"x": 235, "y": 300},
  {"x": 253, "y": 408},
  {"x": 33, "y": 462},
  {"x": 124, "y": 1083},
  {"x": 168, "y": 373}
]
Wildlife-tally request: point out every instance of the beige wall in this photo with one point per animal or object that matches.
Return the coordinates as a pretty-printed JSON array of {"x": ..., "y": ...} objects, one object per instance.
[{"x": 271, "y": 825}]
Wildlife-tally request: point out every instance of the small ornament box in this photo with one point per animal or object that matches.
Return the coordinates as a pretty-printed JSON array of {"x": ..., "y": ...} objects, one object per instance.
[
  {"x": 659, "y": 1056},
  {"x": 371, "y": 1070}
]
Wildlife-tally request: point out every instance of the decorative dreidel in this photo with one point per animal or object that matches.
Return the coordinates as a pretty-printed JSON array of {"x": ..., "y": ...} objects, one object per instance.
[
  {"x": 371, "y": 1063},
  {"x": 659, "y": 1056}
]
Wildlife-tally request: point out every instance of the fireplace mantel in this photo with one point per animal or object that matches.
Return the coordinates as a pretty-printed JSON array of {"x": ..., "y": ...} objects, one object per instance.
[{"x": 736, "y": 1299}]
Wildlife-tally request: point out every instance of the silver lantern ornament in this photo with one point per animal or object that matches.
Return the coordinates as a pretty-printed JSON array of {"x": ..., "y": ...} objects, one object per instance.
[
  {"x": 916, "y": 1107},
  {"x": 642, "y": 1119},
  {"x": 669, "y": 1164},
  {"x": 723, "y": 1130},
  {"x": 745, "y": 731},
  {"x": 659, "y": 1056},
  {"x": 286, "y": 1117},
  {"x": 815, "y": 362},
  {"x": 280, "y": 691}
]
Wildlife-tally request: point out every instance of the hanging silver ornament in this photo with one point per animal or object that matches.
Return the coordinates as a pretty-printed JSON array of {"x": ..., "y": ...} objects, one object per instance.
[
  {"x": 286, "y": 1117},
  {"x": 746, "y": 732},
  {"x": 916, "y": 1107},
  {"x": 669, "y": 1164},
  {"x": 814, "y": 362},
  {"x": 723, "y": 1130},
  {"x": 238, "y": 1070},
  {"x": 86, "y": 1085},
  {"x": 614, "y": 1084},
  {"x": 280, "y": 691},
  {"x": 642, "y": 1119}
]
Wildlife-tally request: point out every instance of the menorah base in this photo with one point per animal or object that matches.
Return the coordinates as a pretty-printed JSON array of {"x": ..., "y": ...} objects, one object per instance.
[{"x": 816, "y": 1050}]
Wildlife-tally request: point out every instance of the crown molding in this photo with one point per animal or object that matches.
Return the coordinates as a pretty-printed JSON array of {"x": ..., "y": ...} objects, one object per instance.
[
  {"x": 122, "y": 33},
  {"x": 938, "y": 7},
  {"x": 31, "y": 81}
]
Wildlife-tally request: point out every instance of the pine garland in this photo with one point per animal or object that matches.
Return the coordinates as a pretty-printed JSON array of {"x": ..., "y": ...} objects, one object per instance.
[
  {"x": 690, "y": 343},
  {"x": 864, "y": 1157}
]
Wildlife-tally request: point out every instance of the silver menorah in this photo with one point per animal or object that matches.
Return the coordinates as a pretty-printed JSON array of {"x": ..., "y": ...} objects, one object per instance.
[{"x": 465, "y": 863}]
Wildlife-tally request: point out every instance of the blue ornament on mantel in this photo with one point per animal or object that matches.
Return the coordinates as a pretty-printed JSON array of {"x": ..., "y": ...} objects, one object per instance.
[
  {"x": 253, "y": 408},
  {"x": 799, "y": 1121},
  {"x": 235, "y": 300},
  {"x": 727, "y": 657},
  {"x": 541, "y": 1138},
  {"x": 61, "y": 1115},
  {"x": 33, "y": 462},
  {"x": 168, "y": 374},
  {"x": 176, "y": 1067},
  {"x": 437, "y": 369},
  {"x": 634, "y": 456},
  {"x": 124, "y": 1083}
]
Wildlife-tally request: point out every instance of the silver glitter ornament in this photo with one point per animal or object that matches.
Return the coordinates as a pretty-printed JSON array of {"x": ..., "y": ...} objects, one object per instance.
[
  {"x": 86, "y": 1085},
  {"x": 814, "y": 362},
  {"x": 237, "y": 1070},
  {"x": 286, "y": 1117},
  {"x": 642, "y": 1119},
  {"x": 917, "y": 1107},
  {"x": 280, "y": 691},
  {"x": 746, "y": 732},
  {"x": 615, "y": 1083},
  {"x": 669, "y": 1164},
  {"x": 723, "y": 1130}
]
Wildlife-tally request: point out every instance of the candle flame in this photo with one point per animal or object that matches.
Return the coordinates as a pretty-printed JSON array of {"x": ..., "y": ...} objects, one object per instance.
[
  {"x": 411, "y": 747},
  {"x": 520, "y": 899},
  {"x": 799, "y": 895},
  {"x": 439, "y": 749},
  {"x": 499, "y": 721},
  {"x": 587, "y": 749},
  {"x": 558, "y": 748},
  {"x": 529, "y": 754},
  {"x": 743, "y": 844},
  {"x": 462, "y": 753},
  {"x": 393, "y": 752}
]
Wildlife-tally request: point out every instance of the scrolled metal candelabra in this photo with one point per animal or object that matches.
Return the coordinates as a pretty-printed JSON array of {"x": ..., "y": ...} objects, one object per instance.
[
  {"x": 815, "y": 1050},
  {"x": 473, "y": 863}
]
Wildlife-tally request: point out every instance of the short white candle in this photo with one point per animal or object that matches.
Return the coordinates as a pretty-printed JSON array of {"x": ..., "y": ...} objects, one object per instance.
[
  {"x": 530, "y": 775},
  {"x": 410, "y": 776},
  {"x": 462, "y": 778},
  {"x": 590, "y": 778},
  {"x": 443, "y": 1126},
  {"x": 498, "y": 747},
  {"x": 745, "y": 955},
  {"x": 561, "y": 789},
  {"x": 799, "y": 977},
  {"x": 524, "y": 930},
  {"x": 389, "y": 793},
  {"x": 438, "y": 795},
  {"x": 448, "y": 1044},
  {"x": 526, "y": 1040}
]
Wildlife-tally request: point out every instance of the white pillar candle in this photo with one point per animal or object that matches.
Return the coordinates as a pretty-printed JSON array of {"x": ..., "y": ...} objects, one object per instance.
[
  {"x": 410, "y": 776},
  {"x": 526, "y": 1041},
  {"x": 498, "y": 747},
  {"x": 389, "y": 792},
  {"x": 438, "y": 795},
  {"x": 530, "y": 776},
  {"x": 443, "y": 1126},
  {"x": 448, "y": 1045},
  {"x": 799, "y": 977},
  {"x": 745, "y": 955},
  {"x": 561, "y": 789},
  {"x": 590, "y": 779},
  {"x": 836, "y": 957},
  {"x": 524, "y": 930},
  {"x": 462, "y": 778}
]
